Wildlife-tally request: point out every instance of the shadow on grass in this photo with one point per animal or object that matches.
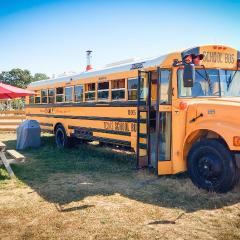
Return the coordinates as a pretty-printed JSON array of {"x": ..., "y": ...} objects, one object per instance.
[
  {"x": 63, "y": 176},
  {"x": 61, "y": 209}
]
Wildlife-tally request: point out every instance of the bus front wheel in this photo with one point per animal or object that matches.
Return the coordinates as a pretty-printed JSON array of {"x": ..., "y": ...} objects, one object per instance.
[
  {"x": 61, "y": 138},
  {"x": 211, "y": 166}
]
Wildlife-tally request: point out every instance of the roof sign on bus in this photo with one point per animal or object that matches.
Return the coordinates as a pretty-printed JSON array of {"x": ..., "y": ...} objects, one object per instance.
[
  {"x": 137, "y": 65},
  {"x": 218, "y": 57}
]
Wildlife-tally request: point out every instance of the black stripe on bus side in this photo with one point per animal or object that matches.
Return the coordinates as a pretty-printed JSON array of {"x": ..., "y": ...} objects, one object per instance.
[
  {"x": 99, "y": 130},
  {"x": 107, "y": 140},
  {"x": 142, "y": 146},
  {"x": 142, "y": 135},
  {"x": 46, "y": 124},
  {"x": 85, "y": 104},
  {"x": 86, "y": 117}
]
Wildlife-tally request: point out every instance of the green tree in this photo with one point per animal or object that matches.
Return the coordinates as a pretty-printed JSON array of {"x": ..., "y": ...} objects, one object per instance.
[
  {"x": 16, "y": 77},
  {"x": 39, "y": 76},
  {"x": 20, "y": 78}
]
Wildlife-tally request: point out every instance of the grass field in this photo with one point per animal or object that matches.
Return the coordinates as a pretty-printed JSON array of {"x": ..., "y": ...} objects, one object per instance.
[{"x": 91, "y": 192}]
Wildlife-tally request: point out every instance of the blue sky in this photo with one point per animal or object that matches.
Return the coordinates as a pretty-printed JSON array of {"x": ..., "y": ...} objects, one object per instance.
[{"x": 51, "y": 36}]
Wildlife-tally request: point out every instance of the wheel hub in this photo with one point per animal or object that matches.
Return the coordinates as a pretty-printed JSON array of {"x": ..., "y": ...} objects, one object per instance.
[{"x": 210, "y": 167}]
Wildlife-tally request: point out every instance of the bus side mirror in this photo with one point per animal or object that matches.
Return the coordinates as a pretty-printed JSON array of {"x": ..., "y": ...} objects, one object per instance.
[{"x": 188, "y": 75}]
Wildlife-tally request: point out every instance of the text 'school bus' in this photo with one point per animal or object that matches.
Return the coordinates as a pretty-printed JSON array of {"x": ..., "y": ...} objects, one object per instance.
[{"x": 178, "y": 112}]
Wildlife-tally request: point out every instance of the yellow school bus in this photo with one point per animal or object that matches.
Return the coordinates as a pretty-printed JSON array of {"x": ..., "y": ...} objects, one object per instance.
[{"x": 178, "y": 112}]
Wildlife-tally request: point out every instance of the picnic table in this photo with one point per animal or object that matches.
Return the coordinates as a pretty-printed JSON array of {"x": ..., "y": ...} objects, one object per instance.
[{"x": 16, "y": 158}]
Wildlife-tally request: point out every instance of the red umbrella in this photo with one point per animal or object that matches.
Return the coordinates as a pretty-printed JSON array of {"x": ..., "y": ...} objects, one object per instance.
[{"x": 8, "y": 91}]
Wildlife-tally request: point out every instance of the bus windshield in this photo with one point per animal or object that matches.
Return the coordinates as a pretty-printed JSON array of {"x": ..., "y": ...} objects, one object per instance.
[{"x": 211, "y": 83}]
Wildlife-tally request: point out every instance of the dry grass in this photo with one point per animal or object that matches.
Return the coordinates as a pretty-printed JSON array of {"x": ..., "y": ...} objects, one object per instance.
[{"x": 92, "y": 193}]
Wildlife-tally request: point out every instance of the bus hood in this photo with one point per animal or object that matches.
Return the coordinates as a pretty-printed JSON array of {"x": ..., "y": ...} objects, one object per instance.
[
  {"x": 219, "y": 109},
  {"x": 221, "y": 116},
  {"x": 225, "y": 99}
]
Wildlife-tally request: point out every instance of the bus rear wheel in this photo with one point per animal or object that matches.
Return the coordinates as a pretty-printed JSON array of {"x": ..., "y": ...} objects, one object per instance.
[
  {"x": 61, "y": 138},
  {"x": 211, "y": 166}
]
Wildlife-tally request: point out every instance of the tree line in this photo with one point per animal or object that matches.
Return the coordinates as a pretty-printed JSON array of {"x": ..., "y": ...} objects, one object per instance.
[{"x": 20, "y": 77}]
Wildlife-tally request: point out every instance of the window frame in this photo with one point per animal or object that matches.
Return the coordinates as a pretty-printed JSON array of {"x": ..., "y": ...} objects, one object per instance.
[
  {"x": 169, "y": 86},
  {"x": 74, "y": 93},
  {"x": 86, "y": 92},
  {"x": 43, "y": 90},
  {"x": 191, "y": 97},
  {"x": 118, "y": 89},
  {"x": 51, "y": 96},
  {"x": 68, "y": 87},
  {"x": 31, "y": 97},
  {"x": 132, "y": 78},
  {"x": 103, "y": 90},
  {"x": 56, "y": 95}
]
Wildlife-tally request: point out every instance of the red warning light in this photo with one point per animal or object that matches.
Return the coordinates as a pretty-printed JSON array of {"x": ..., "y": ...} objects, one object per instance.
[
  {"x": 187, "y": 59},
  {"x": 197, "y": 58},
  {"x": 238, "y": 63}
]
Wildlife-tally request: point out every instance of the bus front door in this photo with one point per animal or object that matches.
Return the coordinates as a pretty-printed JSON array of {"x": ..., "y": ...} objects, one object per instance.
[
  {"x": 143, "y": 131},
  {"x": 163, "y": 122}
]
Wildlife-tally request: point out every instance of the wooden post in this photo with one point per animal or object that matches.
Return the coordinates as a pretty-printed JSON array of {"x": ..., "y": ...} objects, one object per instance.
[{"x": 6, "y": 164}]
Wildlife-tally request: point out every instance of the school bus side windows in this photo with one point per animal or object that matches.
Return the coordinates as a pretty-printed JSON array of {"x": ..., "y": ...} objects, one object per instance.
[
  {"x": 132, "y": 88},
  {"x": 90, "y": 92},
  {"x": 78, "y": 93},
  {"x": 51, "y": 95},
  {"x": 118, "y": 89},
  {"x": 31, "y": 99},
  {"x": 44, "y": 96},
  {"x": 37, "y": 97},
  {"x": 59, "y": 95},
  {"x": 103, "y": 91},
  {"x": 68, "y": 94}
]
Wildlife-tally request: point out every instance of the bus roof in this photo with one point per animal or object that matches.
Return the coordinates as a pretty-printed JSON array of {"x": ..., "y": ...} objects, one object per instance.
[
  {"x": 142, "y": 63},
  {"x": 218, "y": 56}
]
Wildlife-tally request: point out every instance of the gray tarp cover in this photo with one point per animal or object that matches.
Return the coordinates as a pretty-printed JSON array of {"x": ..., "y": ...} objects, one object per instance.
[{"x": 28, "y": 135}]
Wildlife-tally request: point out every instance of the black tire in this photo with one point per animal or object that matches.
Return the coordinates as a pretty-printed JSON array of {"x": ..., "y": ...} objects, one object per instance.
[
  {"x": 237, "y": 176},
  {"x": 61, "y": 138},
  {"x": 211, "y": 166}
]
